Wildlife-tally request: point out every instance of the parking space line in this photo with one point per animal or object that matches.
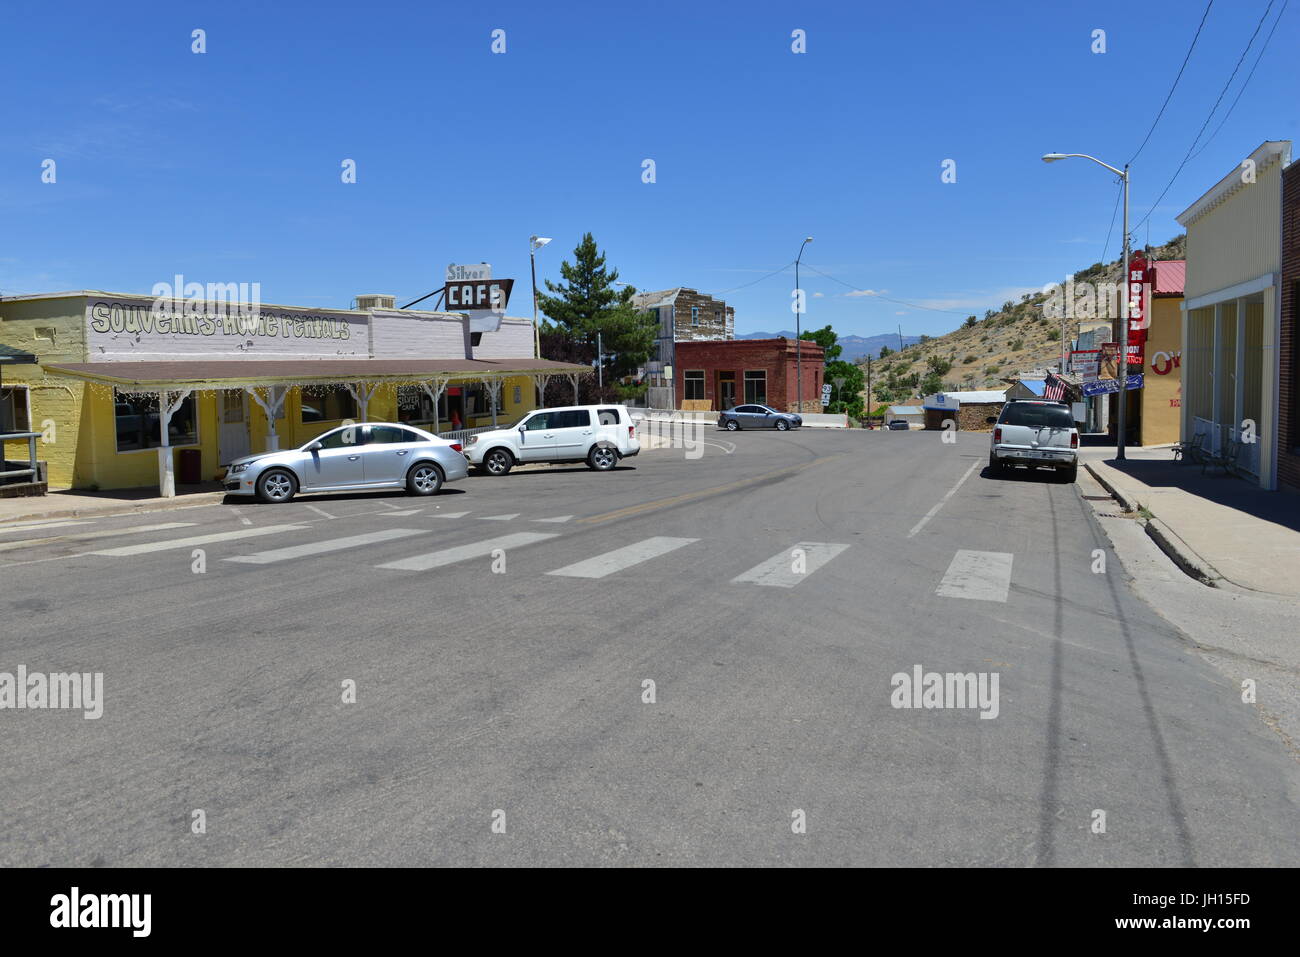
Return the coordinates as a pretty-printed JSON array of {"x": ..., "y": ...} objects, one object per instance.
[
  {"x": 788, "y": 568},
  {"x": 319, "y": 511},
  {"x": 621, "y": 558},
  {"x": 36, "y": 526},
  {"x": 498, "y": 518},
  {"x": 982, "y": 576},
  {"x": 329, "y": 545},
  {"x": 89, "y": 536},
  {"x": 146, "y": 547},
  {"x": 558, "y": 518},
  {"x": 450, "y": 556},
  {"x": 939, "y": 504}
]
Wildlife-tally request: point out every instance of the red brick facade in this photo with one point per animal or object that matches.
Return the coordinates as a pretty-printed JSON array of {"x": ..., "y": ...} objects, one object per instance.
[
  {"x": 1288, "y": 420},
  {"x": 717, "y": 368}
]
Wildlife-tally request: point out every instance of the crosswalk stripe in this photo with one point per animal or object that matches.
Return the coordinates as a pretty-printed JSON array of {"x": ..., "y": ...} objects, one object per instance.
[
  {"x": 449, "y": 556},
  {"x": 451, "y": 515},
  {"x": 399, "y": 514},
  {"x": 145, "y": 547},
  {"x": 89, "y": 536},
  {"x": 788, "y": 568},
  {"x": 329, "y": 545},
  {"x": 621, "y": 558},
  {"x": 498, "y": 518},
  {"x": 36, "y": 526},
  {"x": 982, "y": 576},
  {"x": 558, "y": 518}
]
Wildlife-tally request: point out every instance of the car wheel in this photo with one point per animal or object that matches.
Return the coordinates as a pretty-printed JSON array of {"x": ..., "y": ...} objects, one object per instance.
[
  {"x": 994, "y": 464},
  {"x": 498, "y": 462},
  {"x": 733, "y": 425},
  {"x": 424, "y": 478},
  {"x": 782, "y": 425},
  {"x": 275, "y": 486},
  {"x": 1068, "y": 475},
  {"x": 602, "y": 458}
]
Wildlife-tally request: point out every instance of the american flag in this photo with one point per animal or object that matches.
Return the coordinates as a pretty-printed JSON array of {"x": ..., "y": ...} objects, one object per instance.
[{"x": 1054, "y": 391}]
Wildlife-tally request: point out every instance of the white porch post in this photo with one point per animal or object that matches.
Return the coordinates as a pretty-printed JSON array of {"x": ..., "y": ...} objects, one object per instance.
[
  {"x": 1216, "y": 377},
  {"x": 493, "y": 387},
  {"x": 273, "y": 408},
  {"x": 1239, "y": 371},
  {"x": 362, "y": 393},
  {"x": 434, "y": 392},
  {"x": 166, "y": 467},
  {"x": 540, "y": 380}
]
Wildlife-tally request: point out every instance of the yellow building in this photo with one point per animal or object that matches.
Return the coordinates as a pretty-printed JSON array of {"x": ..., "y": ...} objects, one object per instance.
[
  {"x": 1232, "y": 313},
  {"x": 1162, "y": 381},
  {"x": 126, "y": 389}
]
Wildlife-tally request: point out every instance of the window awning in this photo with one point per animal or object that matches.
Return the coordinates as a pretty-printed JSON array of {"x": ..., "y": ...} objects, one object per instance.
[{"x": 249, "y": 373}]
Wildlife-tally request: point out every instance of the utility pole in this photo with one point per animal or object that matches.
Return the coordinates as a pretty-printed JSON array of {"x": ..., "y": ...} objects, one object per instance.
[
  {"x": 1123, "y": 339},
  {"x": 798, "y": 332},
  {"x": 867, "y": 416},
  {"x": 600, "y": 363}
]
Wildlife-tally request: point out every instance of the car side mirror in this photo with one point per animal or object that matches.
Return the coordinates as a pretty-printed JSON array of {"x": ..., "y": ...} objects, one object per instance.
[
  {"x": 992, "y": 420},
  {"x": 315, "y": 447}
]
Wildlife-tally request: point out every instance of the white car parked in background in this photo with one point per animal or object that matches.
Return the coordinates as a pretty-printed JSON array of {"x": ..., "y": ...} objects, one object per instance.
[{"x": 599, "y": 435}]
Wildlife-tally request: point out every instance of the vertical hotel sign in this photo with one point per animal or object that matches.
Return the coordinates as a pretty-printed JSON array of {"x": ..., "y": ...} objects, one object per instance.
[{"x": 1138, "y": 290}]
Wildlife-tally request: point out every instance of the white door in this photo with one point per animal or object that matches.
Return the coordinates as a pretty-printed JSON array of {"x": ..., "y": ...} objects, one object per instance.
[{"x": 234, "y": 439}]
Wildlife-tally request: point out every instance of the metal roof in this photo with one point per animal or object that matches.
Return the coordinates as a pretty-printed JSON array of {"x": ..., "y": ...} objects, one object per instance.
[{"x": 1170, "y": 278}]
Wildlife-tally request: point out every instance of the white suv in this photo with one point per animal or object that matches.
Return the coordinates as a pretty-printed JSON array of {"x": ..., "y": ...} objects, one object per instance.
[
  {"x": 599, "y": 435},
  {"x": 1036, "y": 433}
]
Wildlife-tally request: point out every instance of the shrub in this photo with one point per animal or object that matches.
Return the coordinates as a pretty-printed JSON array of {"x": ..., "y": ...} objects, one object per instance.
[
  {"x": 969, "y": 359},
  {"x": 991, "y": 370},
  {"x": 1017, "y": 345}
]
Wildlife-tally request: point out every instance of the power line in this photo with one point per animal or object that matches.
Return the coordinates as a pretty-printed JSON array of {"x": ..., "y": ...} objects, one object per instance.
[
  {"x": 723, "y": 292},
  {"x": 1172, "y": 88},
  {"x": 876, "y": 295},
  {"x": 1249, "y": 75},
  {"x": 1208, "y": 117},
  {"x": 1115, "y": 209}
]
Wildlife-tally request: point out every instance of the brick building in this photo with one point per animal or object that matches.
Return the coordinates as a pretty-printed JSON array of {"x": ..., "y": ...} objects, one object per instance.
[
  {"x": 684, "y": 315},
  {"x": 717, "y": 375},
  {"x": 1288, "y": 460}
]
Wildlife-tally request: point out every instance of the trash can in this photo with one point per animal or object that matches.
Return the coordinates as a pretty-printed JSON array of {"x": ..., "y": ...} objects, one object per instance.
[{"x": 191, "y": 467}]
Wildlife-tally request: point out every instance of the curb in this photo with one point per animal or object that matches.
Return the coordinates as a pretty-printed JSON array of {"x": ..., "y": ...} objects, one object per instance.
[
  {"x": 1181, "y": 554},
  {"x": 148, "y": 505},
  {"x": 1124, "y": 501},
  {"x": 1166, "y": 539}
]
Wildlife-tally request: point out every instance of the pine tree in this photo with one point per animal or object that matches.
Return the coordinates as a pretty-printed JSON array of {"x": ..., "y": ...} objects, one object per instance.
[{"x": 587, "y": 303}]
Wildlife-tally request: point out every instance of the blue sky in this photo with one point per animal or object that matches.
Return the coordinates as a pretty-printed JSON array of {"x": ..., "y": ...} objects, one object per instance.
[{"x": 225, "y": 166}]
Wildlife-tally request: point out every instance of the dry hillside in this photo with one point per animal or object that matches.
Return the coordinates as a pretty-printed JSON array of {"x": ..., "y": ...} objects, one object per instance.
[{"x": 1014, "y": 340}]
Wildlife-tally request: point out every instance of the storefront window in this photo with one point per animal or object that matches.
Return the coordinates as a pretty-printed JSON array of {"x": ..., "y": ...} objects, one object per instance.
[
  {"x": 693, "y": 384},
  {"x": 415, "y": 406},
  {"x": 756, "y": 387},
  {"x": 328, "y": 406},
  {"x": 138, "y": 422},
  {"x": 14, "y": 409}
]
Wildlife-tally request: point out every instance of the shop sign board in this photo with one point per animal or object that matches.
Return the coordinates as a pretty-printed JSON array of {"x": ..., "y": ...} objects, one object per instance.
[
  {"x": 1105, "y": 386},
  {"x": 126, "y": 328}
]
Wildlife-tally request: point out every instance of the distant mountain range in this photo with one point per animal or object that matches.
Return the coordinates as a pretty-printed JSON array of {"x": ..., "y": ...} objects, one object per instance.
[{"x": 855, "y": 347}]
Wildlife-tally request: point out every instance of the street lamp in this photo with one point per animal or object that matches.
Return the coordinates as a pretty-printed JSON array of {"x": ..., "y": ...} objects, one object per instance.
[
  {"x": 798, "y": 314},
  {"x": 1122, "y": 402},
  {"x": 535, "y": 243}
]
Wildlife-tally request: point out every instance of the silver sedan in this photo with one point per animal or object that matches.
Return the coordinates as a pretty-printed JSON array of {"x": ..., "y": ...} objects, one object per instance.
[
  {"x": 758, "y": 417},
  {"x": 351, "y": 458}
]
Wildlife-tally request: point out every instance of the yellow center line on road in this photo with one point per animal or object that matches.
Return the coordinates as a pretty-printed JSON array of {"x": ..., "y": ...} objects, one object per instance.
[{"x": 644, "y": 507}]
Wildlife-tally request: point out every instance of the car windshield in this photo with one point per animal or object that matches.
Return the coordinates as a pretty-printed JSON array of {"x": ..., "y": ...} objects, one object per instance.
[{"x": 1038, "y": 416}]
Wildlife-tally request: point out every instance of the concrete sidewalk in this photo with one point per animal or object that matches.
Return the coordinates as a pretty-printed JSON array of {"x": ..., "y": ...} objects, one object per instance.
[
  {"x": 1220, "y": 529},
  {"x": 79, "y": 504}
]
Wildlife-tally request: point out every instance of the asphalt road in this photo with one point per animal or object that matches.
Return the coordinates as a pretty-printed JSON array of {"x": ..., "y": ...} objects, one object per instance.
[{"x": 521, "y": 691}]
